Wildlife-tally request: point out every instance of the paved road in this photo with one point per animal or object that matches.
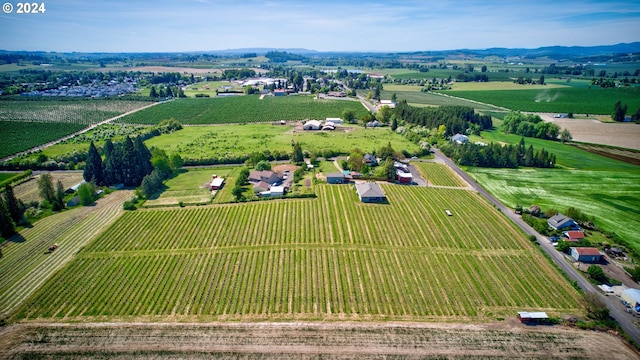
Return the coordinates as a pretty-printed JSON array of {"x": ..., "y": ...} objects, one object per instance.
[{"x": 612, "y": 302}]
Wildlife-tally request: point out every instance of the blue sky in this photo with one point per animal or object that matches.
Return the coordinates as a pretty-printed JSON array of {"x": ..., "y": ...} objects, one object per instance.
[{"x": 329, "y": 25}]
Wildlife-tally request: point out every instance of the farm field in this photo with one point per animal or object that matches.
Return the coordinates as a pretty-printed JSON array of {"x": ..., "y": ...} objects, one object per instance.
[
  {"x": 321, "y": 259},
  {"x": 186, "y": 187},
  {"x": 28, "y": 190},
  {"x": 624, "y": 135},
  {"x": 33, "y": 123},
  {"x": 243, "y": 109},
  {"x": 501, "y": 85},
  {"x": 417, "y": 98},
  {"x": 309, "y": 340},
  {"x": 27, "y": 135},
  {"x": 232, "y": 141},
  {"x": 599, "y": 186},
  {"x": 25, "y": 266},
  {"x": 439, "y": 174},
  {"x": 570, "y": 99}
]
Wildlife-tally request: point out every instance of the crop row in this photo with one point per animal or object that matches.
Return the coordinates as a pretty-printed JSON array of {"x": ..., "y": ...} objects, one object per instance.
[
  {"x": 439, "y": 174},
  {"x": 329, "y": 257},
  {"x": 243, "y": 109},
  {"x": 297, "y": 282},
  {"x": 80, "y": 112},
  {"x": 26, "y": 135},
  {"x": 336, "y": 217}
]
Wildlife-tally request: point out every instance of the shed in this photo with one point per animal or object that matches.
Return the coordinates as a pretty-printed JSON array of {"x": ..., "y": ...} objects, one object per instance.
[
  {"x": 312, "y": 125},
  {"x": 335, "y": 178},
  {"x": 586, "y": 254},
  {"x": 277, "y": 191},
  {"x": 74, "y": 188},
  {"x": 631, "y": 296},
  {"x": 533, "y": 317},
  {"x": 335, "y": 121},
  {"x": 216, "y": 183},
  {"x": 573, "y": 236},
  {"x": 370, "y": 192},
  {"x": 460, "y": 139}
]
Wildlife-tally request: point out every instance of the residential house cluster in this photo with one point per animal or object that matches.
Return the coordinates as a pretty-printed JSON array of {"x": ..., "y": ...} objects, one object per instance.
[
  {"x": 113, "y": 88},
  {"x": 270, "y": 183}
]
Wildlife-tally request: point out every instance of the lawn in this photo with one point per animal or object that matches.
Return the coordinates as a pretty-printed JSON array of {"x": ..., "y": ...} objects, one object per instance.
[
  {"x": 232, "y": 141},
  {"x": 330, "y": 258},
  {"x": 243, "y": 109},
  {"x": 599, "y": 186},
  {"x": 188, "y": 187},
  {"x": 592, "y": 100}
]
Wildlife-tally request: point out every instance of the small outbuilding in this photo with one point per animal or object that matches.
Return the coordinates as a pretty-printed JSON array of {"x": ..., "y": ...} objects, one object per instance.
[
  {"x": 532, "y": 318},
  {"x": 335, "y": 121},
  {"x": 460, "y": 139},
  {"x": 404, "y": 177},
  {"x": 335, "y": 178},
  {"x": 573, "y": 236},
  {"x": 586, "y": 254},
  {"x": 217, "y": 183},
  {"x": 370, "y": 193},
  {"x": 312, "y": 125}
]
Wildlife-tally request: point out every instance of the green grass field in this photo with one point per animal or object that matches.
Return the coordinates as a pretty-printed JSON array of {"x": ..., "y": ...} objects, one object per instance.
[
  {"x": 592, "y": 100},
  {"x": 599, "y": 186},
  {"x": 330, "y": 258},
  {"x": 201, "y": 142},
  {"x": 439, "y": 174},
  {"x": 187, "y": 187},
  {"x": 243, "y": 109}
]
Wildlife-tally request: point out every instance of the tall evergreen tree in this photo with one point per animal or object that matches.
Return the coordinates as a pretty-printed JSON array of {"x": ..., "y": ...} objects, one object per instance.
[
  {"x": 93, "y": 170},
  {"x": 113, "y": 166},
  {"x": 129, "y": 175},
  {"x": 13, "y": 206},
  {"x": 298, "y": 156},
  {"x": 7, "y": 227},
  {"x": 107, "y": 148},
  {"x": 153, "y": 93},
  {"x": 143, "y": 156},
  {"x": 59, "y": 197}
]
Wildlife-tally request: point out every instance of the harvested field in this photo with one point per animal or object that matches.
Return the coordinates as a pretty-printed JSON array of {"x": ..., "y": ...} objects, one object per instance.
[
  {"x": 624, "y": 135},
  {"x": 169, "y": 69},
  {"x": 505, "y": 340},
  {"x": 28, "y": 191}
]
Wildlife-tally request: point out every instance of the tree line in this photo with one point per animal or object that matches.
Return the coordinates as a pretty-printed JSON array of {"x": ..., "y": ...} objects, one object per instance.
[
  {"x": 495, "y": 155},
  {"x": 456, "y": 119},
  {"x": 529, "y": 125}
]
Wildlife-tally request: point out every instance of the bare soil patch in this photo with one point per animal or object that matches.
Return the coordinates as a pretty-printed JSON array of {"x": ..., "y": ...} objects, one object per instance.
[
  {"x": 281, "y": 168},
  {"x": 624, "y": 135},
  {"x": 294, "y": 340}
]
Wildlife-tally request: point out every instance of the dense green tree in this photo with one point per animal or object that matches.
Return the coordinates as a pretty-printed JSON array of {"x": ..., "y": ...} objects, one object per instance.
[
  {"x": 298, "y": 156},
  {"x": 58, "y": 203},
  {"x": 113, "y": 165},
  {"x": 143, "y": 158},
  {"x": 355, "y": 160},
  {"x": 394, "y": 97},
  {"x": 93, "y": 169},
  {"x": 152, "y": 183},
  {"x": 12, "y": 204},
  {"x": 86, "y": 194},
  {"x": 263, "y": 165},
  {"x": 175, "y": 161},
  {"x": 386, "y": 152},
  {"x": 238, "y": 192},
  {"x": 619, "y": 111},
  {"x": 596, "y": 308},
  {"x": 348, "y": 116},
  {"x": 389, "y": 169},
  {"x": 636, "y": 115},
  {"x": 596, "y": 273},
  {"x": 243, "y": 177},
  {"x": 45, "y": 187},
  {"x": 384, "y": 114},
  {"x": 153, "y": 92},
  {"x": 7, "y": 227},
  {"x": 565, "y": 136},
  {"x": 107, "y": 148},
  {"x": 394, "y": 123}
]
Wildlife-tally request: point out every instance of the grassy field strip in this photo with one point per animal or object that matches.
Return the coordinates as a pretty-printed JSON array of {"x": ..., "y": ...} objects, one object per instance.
[
  {"x": 258, "y": 261},
  {"x": 25, "y": 266},
  {"x": 439, "y": 174}
]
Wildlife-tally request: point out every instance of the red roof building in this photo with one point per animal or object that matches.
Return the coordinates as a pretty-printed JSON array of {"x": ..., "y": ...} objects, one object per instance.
[{"x": 573, "y": 236}]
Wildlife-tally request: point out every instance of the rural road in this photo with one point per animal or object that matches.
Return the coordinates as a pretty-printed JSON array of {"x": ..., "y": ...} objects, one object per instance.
[
  {"x": 611, "y": 301},
  {"x": 78, "y": 132}
]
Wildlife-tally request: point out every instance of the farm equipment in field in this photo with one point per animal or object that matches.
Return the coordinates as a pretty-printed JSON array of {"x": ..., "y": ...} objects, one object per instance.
[{"x": 51, "y": 248}]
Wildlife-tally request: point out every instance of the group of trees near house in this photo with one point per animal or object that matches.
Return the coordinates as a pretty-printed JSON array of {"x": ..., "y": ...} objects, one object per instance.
[
  {"x": 495, "y": 155},
  {"x": 456, "y": 119},
  {"x": 11, "y": 212},
  {"x": 620, "y": 112},
  {"x": 164, "y": 92},
  {"x": 529, "y": 125},
  {"x": 124, "y": 163}
]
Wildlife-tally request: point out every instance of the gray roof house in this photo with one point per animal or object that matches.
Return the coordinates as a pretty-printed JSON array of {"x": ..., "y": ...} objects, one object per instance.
[
  {"x": 335, "y": 178},
  {"x": 460, "y": 139},
  {"x": 559, "y": 222},
  {"x": 370, "y": 192},
  {"x": 264, "y": 175}
]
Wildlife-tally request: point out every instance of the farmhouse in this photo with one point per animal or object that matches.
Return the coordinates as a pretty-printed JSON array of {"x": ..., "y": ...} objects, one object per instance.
[
  {"x": 573, "y": 236},
  {"x": 370, "y": 160},
  {"x": 586, "y": 254},
  {"x": 335, "y": 178},
  {"x": 312, "y": 125},
  {"x": 267, "y": 176},
  {"x": 559, "y": 222},
  {"x": 532, "y": 317},
  {"x": 631, "y": 296},
  {"x": 460, "y": 139},
  {"x": 370, "y": 192}
]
